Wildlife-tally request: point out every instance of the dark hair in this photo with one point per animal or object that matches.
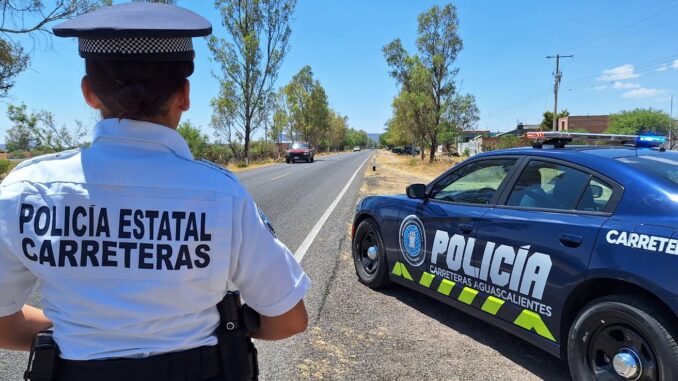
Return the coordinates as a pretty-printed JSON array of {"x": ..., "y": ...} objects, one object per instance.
[{"x": 136, "y": 90}]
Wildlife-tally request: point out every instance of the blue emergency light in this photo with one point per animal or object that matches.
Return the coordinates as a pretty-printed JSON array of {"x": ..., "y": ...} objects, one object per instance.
[{"x": 650, "y": 140}]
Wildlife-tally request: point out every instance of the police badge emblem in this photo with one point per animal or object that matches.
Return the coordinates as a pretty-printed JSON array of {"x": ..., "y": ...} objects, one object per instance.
[{"x": 413, "y": 240}]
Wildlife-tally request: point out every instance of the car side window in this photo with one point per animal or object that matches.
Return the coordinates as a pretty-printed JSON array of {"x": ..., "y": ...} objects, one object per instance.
[
  {"x": 548, "y": 185},
  {"x": 596, "y": 196},
  {"x": 474, "y": 183}
]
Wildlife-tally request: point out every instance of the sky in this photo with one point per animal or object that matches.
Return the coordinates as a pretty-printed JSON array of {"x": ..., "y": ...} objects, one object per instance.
[{"x": 625, "y": 56}]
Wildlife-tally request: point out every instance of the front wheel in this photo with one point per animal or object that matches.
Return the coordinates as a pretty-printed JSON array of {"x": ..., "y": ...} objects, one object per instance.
[
  {"x": 369, "y": 255},
  {"x": 622, "y": 337}
]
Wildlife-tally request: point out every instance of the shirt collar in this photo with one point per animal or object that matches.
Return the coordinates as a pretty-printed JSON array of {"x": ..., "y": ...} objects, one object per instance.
[{"x": 147, "y": 132}]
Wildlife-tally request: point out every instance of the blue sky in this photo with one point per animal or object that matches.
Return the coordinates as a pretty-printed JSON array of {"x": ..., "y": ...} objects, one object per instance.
[{"x": 625, "y": 57}]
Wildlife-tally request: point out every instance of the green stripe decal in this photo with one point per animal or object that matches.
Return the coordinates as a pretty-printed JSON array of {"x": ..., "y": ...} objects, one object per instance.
[
  {"x": 400, "y": 270},
  {"x": 426, "y": 279},
  {"x": 467, "y": 295},
  {"x": 492, "y": 305},
  {"x": 446, "y": 287},
  {"x": 532, "y": 321}
]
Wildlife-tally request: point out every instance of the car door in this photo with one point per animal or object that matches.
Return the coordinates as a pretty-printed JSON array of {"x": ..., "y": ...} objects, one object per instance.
[
  {"x": 539, "y": 239},
  {"x": 447, "y": 218}
]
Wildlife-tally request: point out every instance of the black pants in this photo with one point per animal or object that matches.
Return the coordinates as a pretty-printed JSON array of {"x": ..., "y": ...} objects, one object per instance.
[{"x": 199, "y": 364}]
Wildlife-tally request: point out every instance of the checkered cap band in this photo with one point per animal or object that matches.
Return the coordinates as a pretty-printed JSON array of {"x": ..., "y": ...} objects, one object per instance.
[{"x": 135, "y": 45}]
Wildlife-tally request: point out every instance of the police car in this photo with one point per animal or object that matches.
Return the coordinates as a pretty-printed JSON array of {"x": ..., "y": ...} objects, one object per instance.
[{"x": 572, "y": 248}]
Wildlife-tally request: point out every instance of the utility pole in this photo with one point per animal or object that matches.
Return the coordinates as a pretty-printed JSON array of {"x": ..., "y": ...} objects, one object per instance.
[
  {"x": 557, "y": 75},
  {"x": 671, "y": 125}
]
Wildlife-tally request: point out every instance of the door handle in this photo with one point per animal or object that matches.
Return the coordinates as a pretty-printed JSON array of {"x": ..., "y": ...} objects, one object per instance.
[
  {"x": 465, "y": 228},
  {"x": 571, "y": 240}
]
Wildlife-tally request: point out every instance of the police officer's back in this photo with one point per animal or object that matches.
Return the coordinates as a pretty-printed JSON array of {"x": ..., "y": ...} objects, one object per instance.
[{"x": 134, "y": 241}]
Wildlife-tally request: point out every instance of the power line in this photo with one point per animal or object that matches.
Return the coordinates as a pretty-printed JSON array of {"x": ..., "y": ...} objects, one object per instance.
[
  {"x": 624, "y": 27},
  {"x": 634, "y": 34}
]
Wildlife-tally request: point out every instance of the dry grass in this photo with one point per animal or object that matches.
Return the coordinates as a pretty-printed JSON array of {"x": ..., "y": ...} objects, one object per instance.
[{"x": 395, "y": 172}]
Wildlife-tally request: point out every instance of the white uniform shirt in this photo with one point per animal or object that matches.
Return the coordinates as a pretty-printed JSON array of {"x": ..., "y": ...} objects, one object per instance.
[{"x": 134, "y": 243}]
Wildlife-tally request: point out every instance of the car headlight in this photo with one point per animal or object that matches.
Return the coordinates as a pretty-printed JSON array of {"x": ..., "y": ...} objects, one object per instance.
[{"x": 305, "y": 153}]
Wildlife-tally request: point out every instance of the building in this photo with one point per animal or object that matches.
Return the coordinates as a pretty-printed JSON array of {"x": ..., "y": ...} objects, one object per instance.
[
  {"x": 596, "y": 124},
  {"x": 520, "y": 130}
]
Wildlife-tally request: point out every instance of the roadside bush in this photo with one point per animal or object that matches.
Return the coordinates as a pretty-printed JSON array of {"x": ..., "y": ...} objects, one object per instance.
[
  {"x": 218, "y": 153},
  {"x": 5, "y": 166},
  {"x": 260, "y": 150},
  {"x": 18, "y": 154}
]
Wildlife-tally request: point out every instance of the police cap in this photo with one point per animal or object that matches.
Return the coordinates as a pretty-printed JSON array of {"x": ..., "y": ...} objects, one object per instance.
[{"x": 136, "y": 32}]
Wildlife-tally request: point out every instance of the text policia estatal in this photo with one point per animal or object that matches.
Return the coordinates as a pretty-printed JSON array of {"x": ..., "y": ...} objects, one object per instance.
[
  {"x": 501, "y": 266},
  {"x": 144, "y": 239}
]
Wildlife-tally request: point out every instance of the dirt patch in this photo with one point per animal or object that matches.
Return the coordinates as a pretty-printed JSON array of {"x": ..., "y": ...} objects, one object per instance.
[{"x": 395, "y": 172}]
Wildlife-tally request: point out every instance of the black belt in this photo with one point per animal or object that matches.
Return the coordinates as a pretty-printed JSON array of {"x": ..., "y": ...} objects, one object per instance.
[{"x": 201, "y": 363}]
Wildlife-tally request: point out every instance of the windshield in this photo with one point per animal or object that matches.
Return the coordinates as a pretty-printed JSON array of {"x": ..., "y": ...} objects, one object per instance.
[
  {"x": 665, "y": 166},
  {"x": 299, "y": 146}
]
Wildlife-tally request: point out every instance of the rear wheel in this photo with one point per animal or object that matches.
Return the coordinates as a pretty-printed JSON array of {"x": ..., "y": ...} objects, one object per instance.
[
  {"x": 369, "y": 255},
  {"x": 622, "y": 337}
]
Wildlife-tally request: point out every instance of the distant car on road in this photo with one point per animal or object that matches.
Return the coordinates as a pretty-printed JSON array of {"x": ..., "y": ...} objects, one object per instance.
[
  {"x": 300, "y": 151},
  {"x": 574, "y": 249},
  {"x": 356, "y": 149}
]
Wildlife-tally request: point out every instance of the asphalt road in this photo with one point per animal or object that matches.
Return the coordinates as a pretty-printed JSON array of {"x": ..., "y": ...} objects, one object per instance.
[{"x": 356, "y": 333}]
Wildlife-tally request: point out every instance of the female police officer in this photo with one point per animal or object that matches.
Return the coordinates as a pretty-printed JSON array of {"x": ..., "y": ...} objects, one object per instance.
[{"x": 134, "y": 241}]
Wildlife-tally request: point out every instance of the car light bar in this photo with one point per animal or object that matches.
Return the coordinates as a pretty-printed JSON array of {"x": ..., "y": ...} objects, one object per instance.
[{"x": 559, "y": 138}]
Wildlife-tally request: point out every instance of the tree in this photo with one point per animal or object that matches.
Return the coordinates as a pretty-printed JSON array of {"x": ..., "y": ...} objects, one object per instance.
[
  {"x": 639, "y": 121},
  {"x": 461, "y": 114},
  {"x": 40, "y": 128},
  {"x": 30, "y": 17},
  {"x": 260, "y": 32},
  {"x": 426, "y": 79},
  {"x": 439, "y": 45},
  {"x": 547, "y": 119},
  {"x": 197, "y": 142}
]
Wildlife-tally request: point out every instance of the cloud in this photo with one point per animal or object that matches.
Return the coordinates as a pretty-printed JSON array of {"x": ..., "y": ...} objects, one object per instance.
[
  {"x": 675, "y": 64},
  {"x": 625, "y": 85},
  {"x": 643, "y": 92},
  {"x": 665, "y": 67},
  {"x": 618, "y": 73}
]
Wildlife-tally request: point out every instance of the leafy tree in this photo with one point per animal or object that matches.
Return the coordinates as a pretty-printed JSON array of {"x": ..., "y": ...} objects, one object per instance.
[
  {"x": 197, "y": 142},
  {"x": 40, "y": 128},
  {"x": 250, "y": 60},
  {"x": 461, "y": 114},
  {"x": 639, "y": 121},
  {"x": 427, "y": 79},
  {"x": 547, "y": 119},
  {"x": 30, "y": 17}
]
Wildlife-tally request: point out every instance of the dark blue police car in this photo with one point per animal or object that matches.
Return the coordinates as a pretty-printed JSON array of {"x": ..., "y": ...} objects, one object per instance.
[{"x": 572, "y": 248}]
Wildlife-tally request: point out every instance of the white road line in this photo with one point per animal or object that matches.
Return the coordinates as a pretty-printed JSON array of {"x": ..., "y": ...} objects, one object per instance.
[
  {"x": 301, "y": 251},
  {"x": 281, "y": 176}
]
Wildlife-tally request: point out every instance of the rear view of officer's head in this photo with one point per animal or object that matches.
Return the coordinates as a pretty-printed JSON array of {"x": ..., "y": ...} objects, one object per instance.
[{"x": 138, "y": 57}]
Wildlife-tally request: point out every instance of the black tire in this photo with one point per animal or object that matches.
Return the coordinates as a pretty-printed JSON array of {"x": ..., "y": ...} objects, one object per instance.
[
  {"x": 308, "y": 159},
  {"x": 373, "y": 273},
  {"x": 312, "y": 159},
  {"x": 288, "y": 161},
  {"x": 620, "y": 323}
]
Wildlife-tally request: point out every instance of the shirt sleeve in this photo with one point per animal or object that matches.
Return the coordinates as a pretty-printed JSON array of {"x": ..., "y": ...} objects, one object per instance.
[
  {"x": 268, "y": 276},
  {"x": 16, "y": 281}
]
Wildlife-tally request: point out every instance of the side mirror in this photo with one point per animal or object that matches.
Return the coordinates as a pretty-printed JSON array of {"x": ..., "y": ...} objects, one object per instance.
[
  {"x": 596, "y": 190},
  {"x": 416, "y": 191}
]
